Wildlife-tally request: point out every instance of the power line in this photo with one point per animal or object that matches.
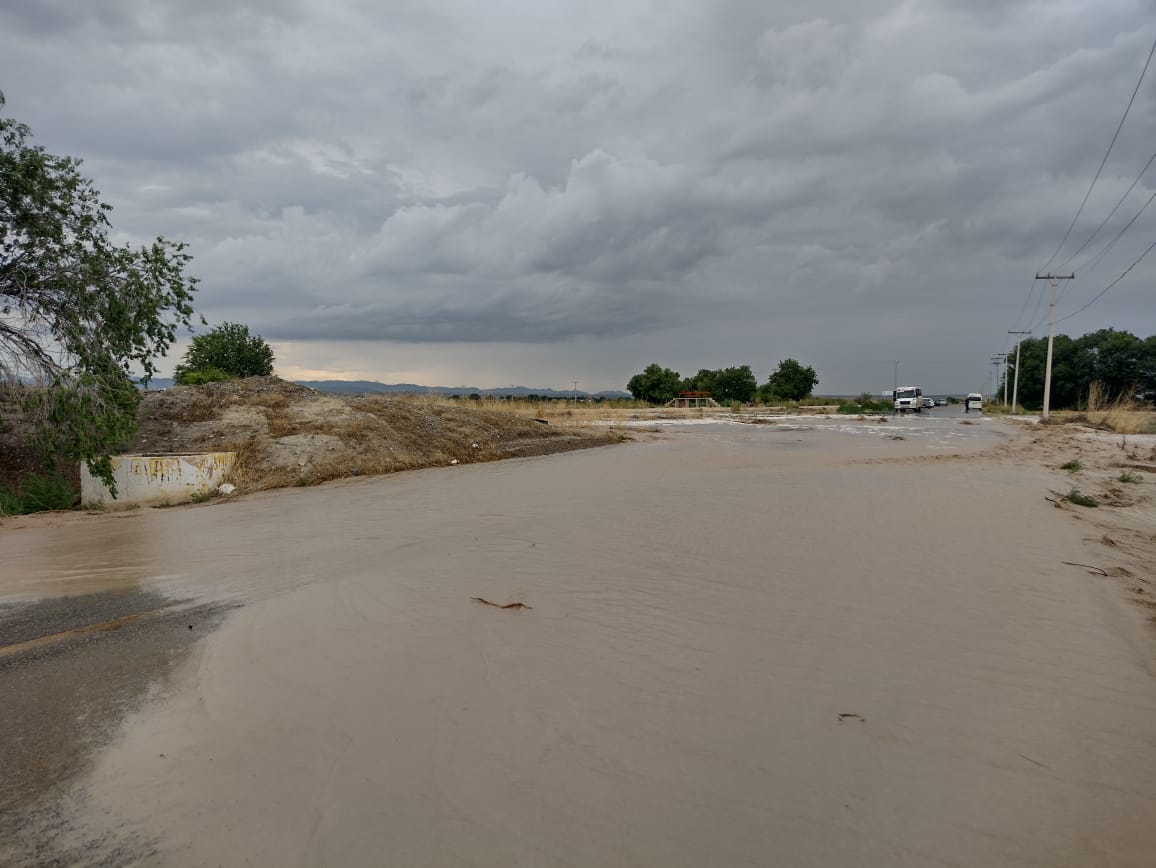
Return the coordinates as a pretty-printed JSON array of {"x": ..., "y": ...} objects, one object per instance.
[
  {"x": 1111, "y": 144},
  {"x": 1028, "y": 301},
  {"x": 1096, "y": 260},
  {"x": 1115, "y": 208},
  {"x": 1103, "y": 252},
  {"x": 1037, "y": 317},
  {"x": 1103, "y": 291},
  {"x": 1099, "y": 257}
]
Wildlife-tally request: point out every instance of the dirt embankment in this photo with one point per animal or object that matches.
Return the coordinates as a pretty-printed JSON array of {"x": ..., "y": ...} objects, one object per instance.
[
  {"x": 1106, "y": 488},
  {"x": 287, "y": 434}
]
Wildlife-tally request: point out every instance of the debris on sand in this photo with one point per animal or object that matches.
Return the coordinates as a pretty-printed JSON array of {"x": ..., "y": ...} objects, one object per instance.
[
  {"x": 1095, "y": 571},
  {"x": 486, "y": 602}
]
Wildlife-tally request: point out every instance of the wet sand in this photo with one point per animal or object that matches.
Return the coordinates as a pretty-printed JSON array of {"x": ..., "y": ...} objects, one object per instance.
[{"x": 745, "y": 645}]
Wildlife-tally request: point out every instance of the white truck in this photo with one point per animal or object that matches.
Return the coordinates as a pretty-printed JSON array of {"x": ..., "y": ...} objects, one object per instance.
[{"x": 908, "y": 399}]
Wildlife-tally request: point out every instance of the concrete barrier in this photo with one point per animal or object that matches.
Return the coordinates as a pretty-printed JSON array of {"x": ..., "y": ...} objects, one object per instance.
[{"x": 153, "y": 479}]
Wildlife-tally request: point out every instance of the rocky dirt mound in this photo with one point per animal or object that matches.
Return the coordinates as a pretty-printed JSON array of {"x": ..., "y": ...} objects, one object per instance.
[{"x": 287, "y": 434}]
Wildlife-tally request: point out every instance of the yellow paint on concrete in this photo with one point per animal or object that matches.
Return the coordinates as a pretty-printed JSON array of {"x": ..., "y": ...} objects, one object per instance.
[{"x": 156, "y": 479}]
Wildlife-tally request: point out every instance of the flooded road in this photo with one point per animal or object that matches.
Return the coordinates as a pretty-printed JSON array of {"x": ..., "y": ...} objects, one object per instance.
[{"x": 809, "y": 643}]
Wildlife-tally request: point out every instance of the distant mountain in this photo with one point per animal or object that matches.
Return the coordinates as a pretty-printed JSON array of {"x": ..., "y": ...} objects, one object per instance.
[
  {"x": 370, "y": 386},
  {"x": 367, "y": 387}
]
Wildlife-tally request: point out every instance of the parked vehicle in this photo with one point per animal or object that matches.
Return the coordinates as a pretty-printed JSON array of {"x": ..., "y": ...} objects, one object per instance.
[
  {"x": 908, "y": 399},
  {"x": 974, "y": 401}
]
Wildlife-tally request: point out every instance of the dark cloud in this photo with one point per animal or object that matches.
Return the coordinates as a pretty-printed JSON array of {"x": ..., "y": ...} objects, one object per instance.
[{"x": 837, "y": 179}]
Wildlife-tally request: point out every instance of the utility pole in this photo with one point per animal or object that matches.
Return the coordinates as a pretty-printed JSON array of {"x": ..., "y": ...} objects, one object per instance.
[
  {"x": 998, "y": 360},
  {"x": 1016, "y": 388},
  {"x": 575, "y": 382},
  {"x": 1053, "y": 279},
  {"x": 895, "y": 388}
]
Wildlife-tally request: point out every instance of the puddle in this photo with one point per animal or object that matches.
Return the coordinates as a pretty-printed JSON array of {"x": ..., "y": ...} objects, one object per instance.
[{"x": 71, "y": 669}]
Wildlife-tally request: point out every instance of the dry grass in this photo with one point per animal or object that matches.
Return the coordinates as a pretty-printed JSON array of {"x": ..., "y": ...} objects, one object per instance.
[
  {"x": 569, "y": 413},
  {"x": 1121, "y": 415},
  {"x": 280, "y": 424},
  {"x": 1118, "y": 421},
  {"x": 246, "y": 472}
]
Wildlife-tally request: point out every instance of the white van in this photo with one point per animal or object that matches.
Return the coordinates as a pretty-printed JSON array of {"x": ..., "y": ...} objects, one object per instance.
[{"x": 974, "y": 401}]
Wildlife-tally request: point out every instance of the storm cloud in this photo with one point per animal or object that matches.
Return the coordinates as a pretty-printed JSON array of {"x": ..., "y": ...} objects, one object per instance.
[{"x": 541, "y": 192}]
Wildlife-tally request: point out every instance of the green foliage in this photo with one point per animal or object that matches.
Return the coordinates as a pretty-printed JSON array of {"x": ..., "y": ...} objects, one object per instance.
[
  {"x": 790, "y": 382},
  {"x": 77, "y": 312},
  {"x": 864, "y": 404},
  {"x": 10, "y": 502},
  {"x": 227, "y": 349},
  {"x": 1129, "y": 477},
  {"x": 726, "y": 384},
  {"x": 655, "y": 385},
  {"x": 1072, "y": 466},
  {"x": 198, "y": 378},
  {"x": 1122, "y": 363},
  {"x": 38, "y": 493},
  {"x": 1081, "y": 499}
]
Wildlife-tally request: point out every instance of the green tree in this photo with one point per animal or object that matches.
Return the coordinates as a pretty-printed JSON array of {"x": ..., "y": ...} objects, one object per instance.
[
  {"x": 725, "y": 384},
  {"x": 1117, "y": 361},
  {"x": 790, "y": 382},
  {"x": 737, "y": 384},
  {"x": 703, "y": 381},
  {"x": 655, "y": 385},
  {"x": 78, "y": 314},
  {"x": 227, "y": 351},
  {"x": 1146, "y": 385},
  {"x": 1124, "y": 364}
]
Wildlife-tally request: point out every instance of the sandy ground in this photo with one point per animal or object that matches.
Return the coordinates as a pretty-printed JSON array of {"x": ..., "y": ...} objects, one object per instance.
[{"x": 796, "y": 644}]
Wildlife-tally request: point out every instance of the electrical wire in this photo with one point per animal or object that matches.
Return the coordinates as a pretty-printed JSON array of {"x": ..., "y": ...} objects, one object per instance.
[
  {"x": 1111, "y": 144},
  {"x": 1099, "y": 257},
  {"x": 1103, "y": 291},
  {"x": 1115, "y": 208},
  {"x": 1031, "y": 291}
]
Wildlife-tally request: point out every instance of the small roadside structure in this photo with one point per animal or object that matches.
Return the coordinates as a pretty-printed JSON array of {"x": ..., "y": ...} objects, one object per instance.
[
  {"x": 694, "y": 398},
  {"x": 157, "y": 479}
]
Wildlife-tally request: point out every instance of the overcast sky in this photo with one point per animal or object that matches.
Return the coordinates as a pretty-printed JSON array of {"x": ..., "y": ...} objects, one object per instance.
[{"x": 541, "y": 191}]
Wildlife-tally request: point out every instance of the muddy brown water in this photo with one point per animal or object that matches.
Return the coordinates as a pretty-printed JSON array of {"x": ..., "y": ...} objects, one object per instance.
[{"x": 740, "y": 645}]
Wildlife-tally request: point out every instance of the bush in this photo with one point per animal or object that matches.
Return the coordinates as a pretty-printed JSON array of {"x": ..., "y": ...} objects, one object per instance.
[
  {"x": 864, "y": 405},
  {"x": 1072, "y": 466},
  {"x": 1080, "y": 499},
  {"x": 229, "y": 349},
  {"x": 197, "y": 378},
  {"x": 38, "y": 493}
]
